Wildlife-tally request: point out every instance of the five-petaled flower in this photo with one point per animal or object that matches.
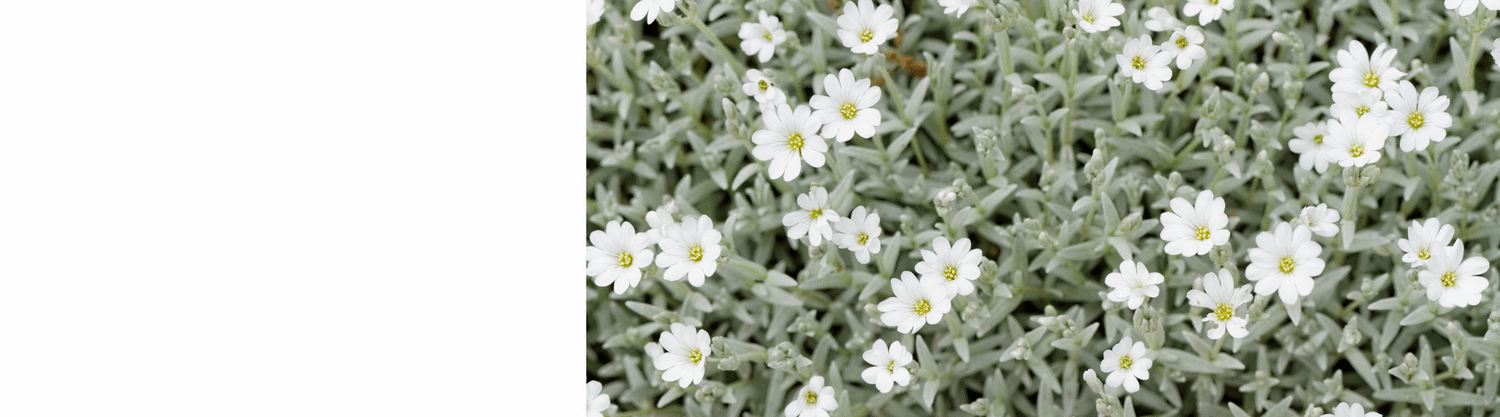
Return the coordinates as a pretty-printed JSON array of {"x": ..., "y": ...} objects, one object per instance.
[
  {"x": 887, "y": 365},
  {"x": 1359, "y": 71},
  {"x": 1098, "y": 15},
  {"x": 1453, "y": 281},
  {"x": 1207, "y": 10},
  {"x": 955, "y": 266},
  {"x": 690, "y": 249},
  {"x": 1127, "y": 364},
  {"x": 617, "y": 255},
  {"x": 760, "y": 38},
  {"x": 790, "y": 137},
  {"x": 859, "y": 233},
  {"x": 1133, "y": 284},
  {"x": 1145, "y": 63},
  {"x": 1192, "y": 229},
  {"x": 1284, "y": 262},
  {"x": 1221, "y": 298},
  {"x": 685, "y": 357},
  {"x": 815, "y": 219},
  {"x": 1355, "y": 142},
  {"x": 847, "y": 107},
  {"x": 1423, "y": 240},
  {"x": 917, "y": 302},
  {"x": 1311, "y": 144},
  {"x": 864, "y": 27},
  {"x": 813, "y": 400},
  {"x": 1322, "y": 220},
  {"x": 1419, "y": 119}
]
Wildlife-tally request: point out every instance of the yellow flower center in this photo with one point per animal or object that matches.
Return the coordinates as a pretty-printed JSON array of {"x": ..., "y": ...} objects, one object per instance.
[
  {"x": 768, "y": 36},
  {"x": 815, "y": 213},
  {"x": 922, "y": 307},
  {"x": 1201, "y": 233},
  {"x": 892, "y": 367},
  {"x": 1138, "y": 62},
  {"x": 764, "y": 85},
  {"x": 1361, "y": 110},
  {"x": 1357, "y": 151},
  {"x": 812, "y": 397},
  {"x": 1423, "y": 254},
  {"x": 1288, "y": 265},
  {"x": 1125, "y": 362},
  {"x": 795, "y": 142},
  {"x": 950, "y": 272},
  {"x": 695, "y": 253},
  {"x": 1182, "y": 42},
  {"x": 1449, "y": 279},
  {"x": 1318, "y": 139},
  {"x": 1088, "y": 18},
  {"x": 1371, "y": 80},
  {"x": 626, "y": 260},
  {"x": 848, "y": 111},
  {"x": 1213, "y": 2},
  {"x": 862, "y": 238},
  {"x": 867, "y": 35},
  {"x": 1414, "y": 120},
  {"x": 1223, "y": 312},
  {"x": 695, "y": 356}
]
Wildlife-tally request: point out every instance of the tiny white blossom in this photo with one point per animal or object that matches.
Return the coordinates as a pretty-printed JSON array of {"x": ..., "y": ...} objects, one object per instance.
[
  {"x": 887, "y": 365},
  {"x": 917, "y": 303},
  {"x": 790, "y": 137},
  {"x": 1133, "y": 284},
  {"x": 659, "y": 219},
  {"x": 1310, "y": 144},
  {"x": 595, "y": 11},
  {"x": 1355, "y": 142},
  {"x": 1284, "y": 262},
  {"x": 597, "y": 400},
  {"x": 1351, "y": 410},
  {"x": 1186, "y": 45},
  {"x": 864, "y": 27},
  {"x": 1098, "y": 15},
  {"x": 617, "y": 255},
  {"x": 1207, "y": 10},
  {"x": 763, "y": 89},
  {"x": 1221, "y": 298},
  {"x": 1453, "y": 281},
  {"x": 690, "y": 249},
  {"x": 1322, "y": 220},
  {"x": 1194, "y": 229},
  {"x": 649, "y": 9},
  {"x": 859, "y": 233},
  {"x": 957, "y": 7},
  {"x": 761, "y": 38},
  {"x": 813, "y": 400},
  {"x": 1127, "y": 364},
  {"x": 1161, "y": 20},
  {"x": 1145, "y": 63},
  {"x": 685, "y": 357},
  {"x": 1359, "y": 71},
  {"x": 1423, "y": 240},
  {"x": 1419, "y": 119},
  {"x": 1467, "y": 7},
  {"x": 846, "y": 109},
  {"x": 1354, "y": 105},
  {"x": 956, "y": 266},
  {"x": 815, "y": 219}
]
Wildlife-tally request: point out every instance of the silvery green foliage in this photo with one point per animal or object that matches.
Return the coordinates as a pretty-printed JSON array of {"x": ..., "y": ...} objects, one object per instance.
[{"x": 1011, "y": 127}]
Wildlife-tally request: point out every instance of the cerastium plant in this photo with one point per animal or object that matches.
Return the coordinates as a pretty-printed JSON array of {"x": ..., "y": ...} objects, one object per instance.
[{"x": 1042, "y": 208}]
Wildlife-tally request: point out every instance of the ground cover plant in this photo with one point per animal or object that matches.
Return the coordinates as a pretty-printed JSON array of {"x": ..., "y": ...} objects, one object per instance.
[{"x": 1042, "y": 208}]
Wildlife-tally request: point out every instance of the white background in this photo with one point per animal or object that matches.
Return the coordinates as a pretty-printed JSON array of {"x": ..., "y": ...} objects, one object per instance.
[{"x": 291, "y": 208}]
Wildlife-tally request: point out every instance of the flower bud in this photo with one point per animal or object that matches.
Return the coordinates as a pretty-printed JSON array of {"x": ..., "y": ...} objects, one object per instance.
[
  {"x": 729, "y": 363},
  {"x": 1261, "y": 85},
  {"x": 679, "y": 55},
  {"x": 944, "y": 200}
]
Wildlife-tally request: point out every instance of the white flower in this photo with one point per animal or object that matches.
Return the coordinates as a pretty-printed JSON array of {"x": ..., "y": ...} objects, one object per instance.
[
  {"x": 1419, "y": 118},
  {"x": 764, "y": 91},
  {"x": 1358, "y": 71},
  {"x": 1351, "y": 410},
  {"x": 1162, "y": 20},
  {"x": 917, "y": 303},
  {"x": 686, "y": 355},
  {"x": 1284, "y": 262},
  {"x": 1453, "y": 281},
  {"x": 617, "y": 255},
  {"x": 1466, "y": 7},
  {"x": 956, "y": 267},
  {"x": 1133, "y": 284},
  {"x": 957, "y": 7},
  {"x": 1495, "y": 52},
  {"x": 760, "y": 39},
  {"x": 1127, "y": 365},
  {"x": 1322, "y": 220},
  {"x": 1221, "y": 298},
  {"x": 1355, "y": 142},
  {"x": 1207, "y": 10},
  {"x": 1194, "y": 229},
  {"x": 690, "y": 249},
  {"x": 595, "y": 11},
  {"x": 887, "y": 366},
  {"x": 846, "y": 109},
  {"x": 1423, "y": 240},
  {"x": 863, "y": 28},
  {"x": 1098, "y": 15},
  {"x": 659, "y": 219},
  {"x": 649, "y": 9},
  {"x": 815, "y": 219},
  {"x": 1355, "y": 105},
  {"x": 598, "y": 401},
  {"x": 790, "y": 137},
  {"x": 1309, "y": 144},
  {"x": 1186, "y": 45},
  {"x": 814, "y": 400},
  {"x": 859, "y": 233},
  {"x": 1145, "y": 63}
]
